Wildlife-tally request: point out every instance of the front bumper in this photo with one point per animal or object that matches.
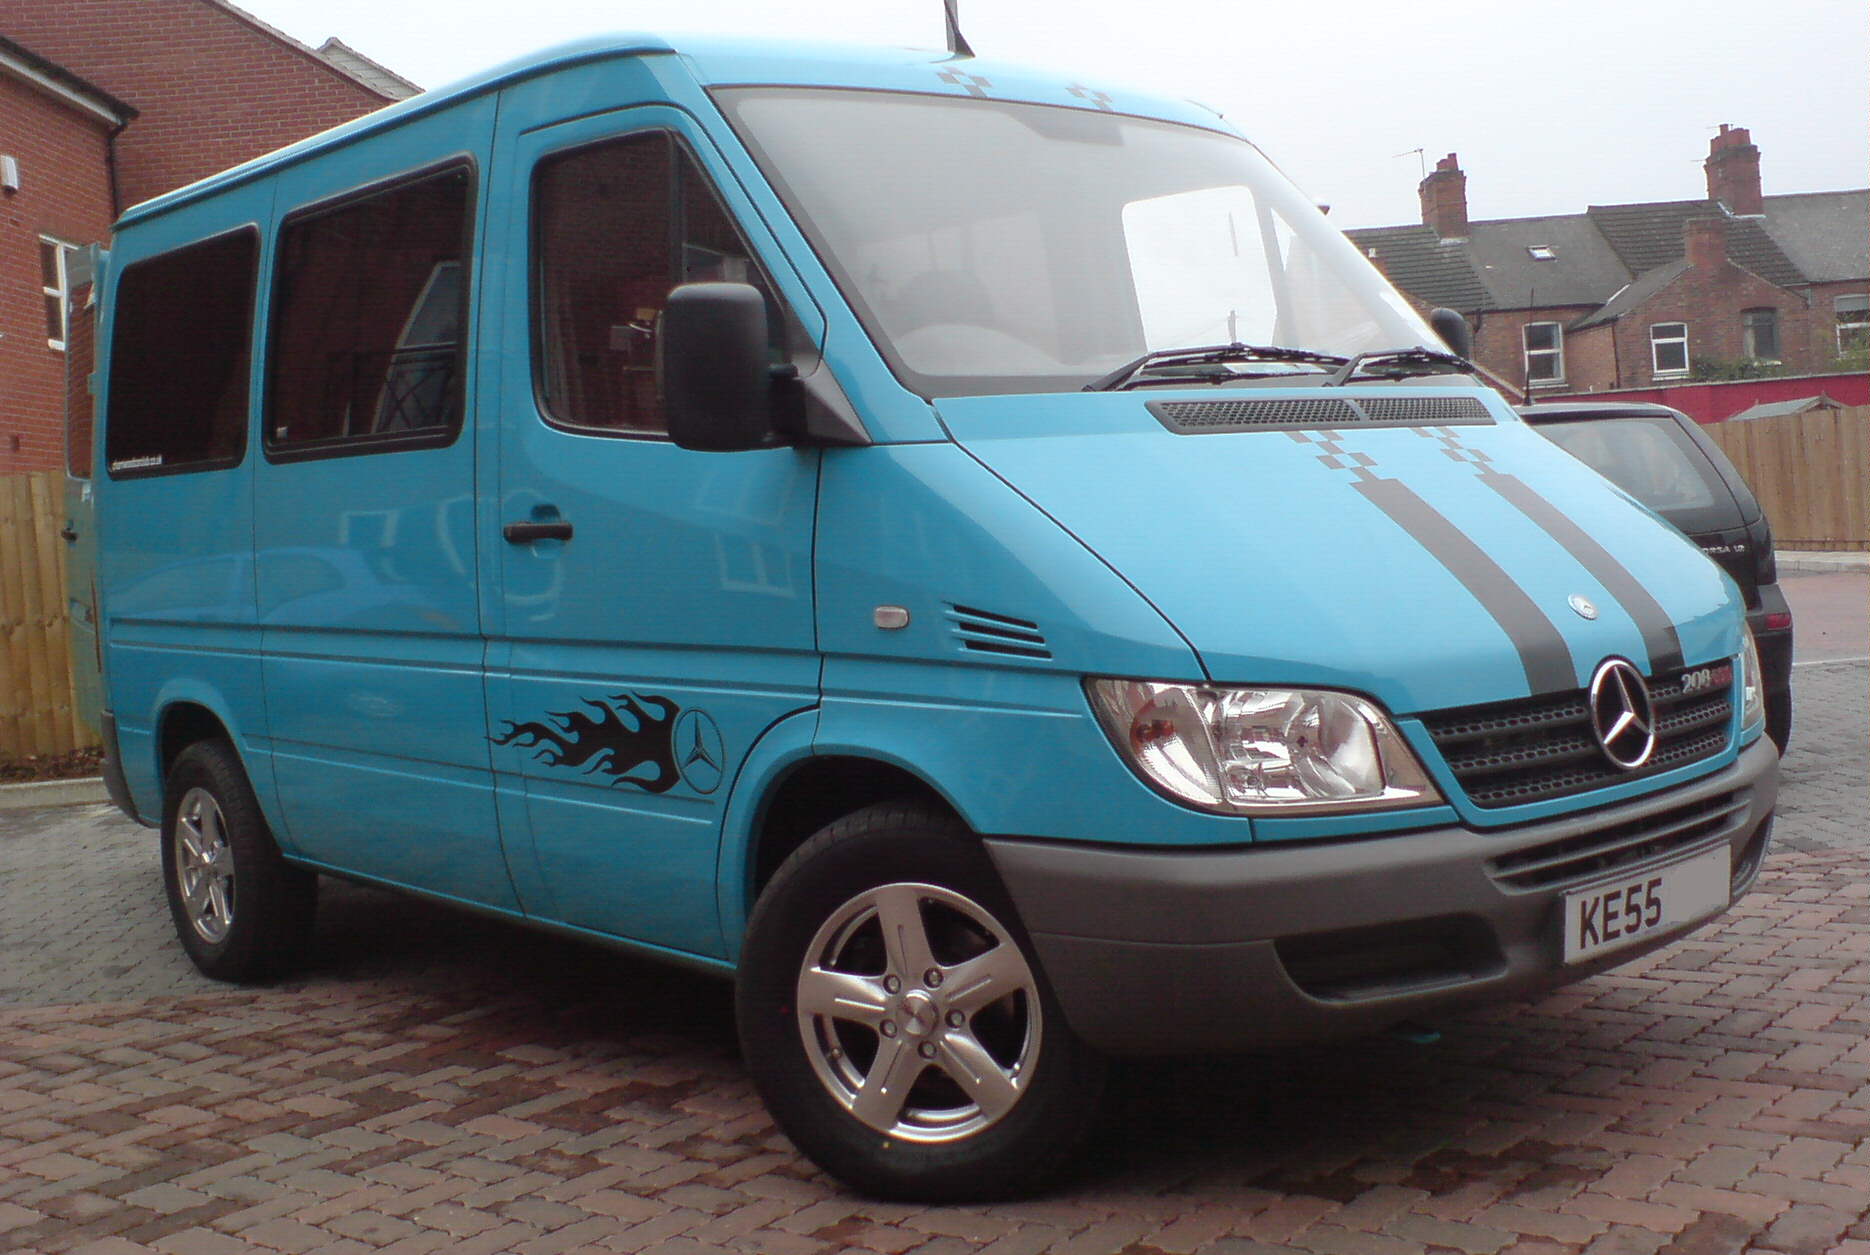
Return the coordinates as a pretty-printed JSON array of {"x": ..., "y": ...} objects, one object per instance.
[{"x": 1154, "y": 952}]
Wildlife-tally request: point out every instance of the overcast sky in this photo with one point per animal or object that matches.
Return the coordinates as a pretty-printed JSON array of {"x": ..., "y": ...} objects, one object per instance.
[{"x": 1551, "y": 106}]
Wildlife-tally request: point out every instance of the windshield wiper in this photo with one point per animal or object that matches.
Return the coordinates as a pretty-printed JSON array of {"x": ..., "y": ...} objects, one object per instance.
[
  {"x": 1207, "y": 355},
  {"x": 1400, "y": 364}
]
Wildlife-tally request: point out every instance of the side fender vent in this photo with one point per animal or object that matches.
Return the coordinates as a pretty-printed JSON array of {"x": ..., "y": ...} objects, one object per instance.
[{"x": 983, "y": 632}]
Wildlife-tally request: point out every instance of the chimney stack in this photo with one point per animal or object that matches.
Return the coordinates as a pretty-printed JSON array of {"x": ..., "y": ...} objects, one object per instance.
[
  {"x": 1444, "y": 199},
  {"x": 1704, "y": 240},
  {"x": 1733, "y": 167}
]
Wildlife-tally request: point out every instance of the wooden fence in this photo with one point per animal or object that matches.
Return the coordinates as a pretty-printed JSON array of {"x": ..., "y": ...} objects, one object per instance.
[
  {"x": 1811, "y": 473},
  {"x": 38, "y": 712}
]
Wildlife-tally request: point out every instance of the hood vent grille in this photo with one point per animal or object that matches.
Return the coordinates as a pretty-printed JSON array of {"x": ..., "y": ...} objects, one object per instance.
[
  {"x": 1425, "y": 411},
  {"x": 983, "y": 632},
  {"x": 1203, "y": 418}
]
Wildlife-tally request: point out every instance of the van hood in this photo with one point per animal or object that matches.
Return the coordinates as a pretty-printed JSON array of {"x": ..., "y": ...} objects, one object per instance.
[{"x": 1442, "y": 556}]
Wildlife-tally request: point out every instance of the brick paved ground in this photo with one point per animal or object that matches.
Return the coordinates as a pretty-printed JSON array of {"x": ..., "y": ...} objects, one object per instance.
[{"x": 440, "y": 1084}]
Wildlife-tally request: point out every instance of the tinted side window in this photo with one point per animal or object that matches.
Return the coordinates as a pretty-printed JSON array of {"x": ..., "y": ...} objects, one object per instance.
[
  {"x": 615, "y": 227},
  {"x": 369, "y": 309},
  {"x": 182, "y": 339}
]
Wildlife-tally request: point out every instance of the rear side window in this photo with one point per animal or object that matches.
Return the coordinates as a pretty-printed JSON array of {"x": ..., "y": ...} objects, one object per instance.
[
  {"x": 615, "y": 226},
  {"x": 181, "y": 343},
  {"x": 370, "y": 304}
]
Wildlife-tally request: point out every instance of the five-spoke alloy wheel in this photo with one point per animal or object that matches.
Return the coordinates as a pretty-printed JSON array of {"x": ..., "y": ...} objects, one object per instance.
[
  {"x": 241, "y": 911},
  {"x": 204, "y": 866},
  {"x": 895, "y": 1023}
]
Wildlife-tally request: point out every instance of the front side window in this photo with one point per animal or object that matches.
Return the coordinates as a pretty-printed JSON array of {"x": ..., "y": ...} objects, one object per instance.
[
  {"x": 992, "y": 247},
  {"x": 616, "y": 226},
  {"x": 1668, "y": 348},
  {"x": 1759, "y": 334},
  {"x": 1545, "y": 353},
  {"x": 1853, "y": 317},
  {"x": 55, "y": 288},
  {"x": 370, "y": 304},
  {"x": 180, "y": 345}
]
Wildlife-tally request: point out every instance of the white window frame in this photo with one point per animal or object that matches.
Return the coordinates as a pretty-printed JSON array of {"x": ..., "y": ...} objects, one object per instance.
[
  {"x": 1658, "y": 342},
  {"x": 1748, "y": 343},
  {"x": 62, "y": 251},
  {"x": 1852, "y": 312},
  {"x": 1556, "y": 353}
]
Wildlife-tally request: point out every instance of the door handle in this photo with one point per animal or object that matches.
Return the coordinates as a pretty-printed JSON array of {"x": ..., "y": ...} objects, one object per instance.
[{"x": 527, "y": 533}]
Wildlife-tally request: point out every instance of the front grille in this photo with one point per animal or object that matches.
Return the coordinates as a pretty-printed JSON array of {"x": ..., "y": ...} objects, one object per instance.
[
  {"x": 1512, "y": 753},
  {"x": 1572, "y": 860}
]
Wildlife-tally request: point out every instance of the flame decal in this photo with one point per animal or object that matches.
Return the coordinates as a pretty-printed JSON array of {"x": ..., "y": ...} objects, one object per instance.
[{"x": 606, "y": 743}]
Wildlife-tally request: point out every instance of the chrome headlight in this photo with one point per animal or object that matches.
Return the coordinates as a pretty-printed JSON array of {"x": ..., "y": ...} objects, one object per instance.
[
  {"x": 1752, "y": 684},
  {"x": 1261, "y": 751}
]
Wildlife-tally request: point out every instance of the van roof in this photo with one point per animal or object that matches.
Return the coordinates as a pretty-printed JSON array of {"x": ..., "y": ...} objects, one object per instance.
[{"x": 716, "y": 60}]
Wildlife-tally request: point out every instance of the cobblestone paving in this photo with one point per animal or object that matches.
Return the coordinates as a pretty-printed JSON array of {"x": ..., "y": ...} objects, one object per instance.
[{"x": 435, "y": 1083}]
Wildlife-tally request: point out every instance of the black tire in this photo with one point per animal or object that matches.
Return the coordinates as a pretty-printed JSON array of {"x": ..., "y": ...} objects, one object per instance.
[
  {"x": 241, "y": 911},
  {"x": 1034, "y": 1091}
]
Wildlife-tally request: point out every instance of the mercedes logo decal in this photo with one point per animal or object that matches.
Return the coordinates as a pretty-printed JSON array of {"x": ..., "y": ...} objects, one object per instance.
[
  {"x": 1622, "y": 716},
  {"x": 1582, "y": 605},
  {"x": 698, "y": 754}
]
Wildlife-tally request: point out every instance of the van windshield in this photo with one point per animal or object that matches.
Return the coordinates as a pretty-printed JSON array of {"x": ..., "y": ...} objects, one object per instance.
[{"x": 993, "y": 247}]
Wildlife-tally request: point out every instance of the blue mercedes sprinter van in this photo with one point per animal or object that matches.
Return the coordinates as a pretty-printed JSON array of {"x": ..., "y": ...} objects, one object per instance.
[{"x": 972, "y": 554}]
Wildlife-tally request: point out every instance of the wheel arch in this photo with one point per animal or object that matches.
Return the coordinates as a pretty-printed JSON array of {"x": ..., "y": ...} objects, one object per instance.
[
  {"x": 185, "y": 713},
  {"x": 786, "y": 792}
]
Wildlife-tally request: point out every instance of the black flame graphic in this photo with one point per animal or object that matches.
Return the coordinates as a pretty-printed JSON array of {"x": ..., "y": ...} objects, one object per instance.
[{"x": 605, "y": 742}]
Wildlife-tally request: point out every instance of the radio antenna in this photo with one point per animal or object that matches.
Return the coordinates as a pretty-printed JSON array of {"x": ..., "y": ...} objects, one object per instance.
[{"x": 957, "y": 42}]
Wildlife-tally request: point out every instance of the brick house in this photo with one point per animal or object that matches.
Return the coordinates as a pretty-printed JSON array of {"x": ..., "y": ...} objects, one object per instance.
[
  {"x": 1735, "y": 285},
  {"x": 104, "y": 103}
]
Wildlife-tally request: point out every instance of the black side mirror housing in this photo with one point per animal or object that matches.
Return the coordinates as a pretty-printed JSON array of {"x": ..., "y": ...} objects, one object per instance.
[
  {"x": 713, "y": 370},
  {"x": 1454, "y": 331}
]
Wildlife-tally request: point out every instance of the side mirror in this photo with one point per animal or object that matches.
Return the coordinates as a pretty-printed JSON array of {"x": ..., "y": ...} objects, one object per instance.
[
  {"x": 1453, "y": 330},
  {"x": 712, "y": 368}
]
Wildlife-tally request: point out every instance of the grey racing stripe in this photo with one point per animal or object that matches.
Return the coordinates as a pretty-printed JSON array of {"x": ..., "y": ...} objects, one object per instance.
[
  {"x": 1542, "y": 649},
  {"x": 1659, "y": 635}
]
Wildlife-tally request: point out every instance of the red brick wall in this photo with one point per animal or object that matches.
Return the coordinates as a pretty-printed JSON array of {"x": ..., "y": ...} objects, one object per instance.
[
  {"x": 64, "y": 192},
  {"x": 1499, "y": 346},
  {"x": 1710, "y": 301},
  {"x": 1591, "y": 359},
  {"x": 212, "y": 89},
  {"x": 1822, "y": 338}
]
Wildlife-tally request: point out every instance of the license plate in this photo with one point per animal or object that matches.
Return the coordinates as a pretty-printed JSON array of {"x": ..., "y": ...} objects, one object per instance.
[{"x": 1623, "y": 912}]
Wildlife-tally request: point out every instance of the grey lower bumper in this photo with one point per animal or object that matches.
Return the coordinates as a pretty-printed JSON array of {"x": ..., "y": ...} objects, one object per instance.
[{"x": 1159, "y": 951}]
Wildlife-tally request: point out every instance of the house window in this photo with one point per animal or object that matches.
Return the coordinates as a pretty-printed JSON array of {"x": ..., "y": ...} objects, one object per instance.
[
  {"x": 1545, "y": 353},
  {"x": 1668, "y": 348},
  {"x": 55, "y": 285},
  {"x": 1853, "y": 314},
  {"x": 1541, "y": 252},
  {"x": 1759, "y": 334}
]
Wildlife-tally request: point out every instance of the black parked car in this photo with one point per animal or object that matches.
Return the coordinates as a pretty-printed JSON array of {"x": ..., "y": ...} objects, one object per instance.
[{"x": 1661, "y": 457}]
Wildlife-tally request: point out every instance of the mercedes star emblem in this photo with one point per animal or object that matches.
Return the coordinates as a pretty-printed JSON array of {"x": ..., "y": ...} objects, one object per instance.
[
  {"x": 1622, "y": 715},
  {"x": 698, "y": 753}
]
